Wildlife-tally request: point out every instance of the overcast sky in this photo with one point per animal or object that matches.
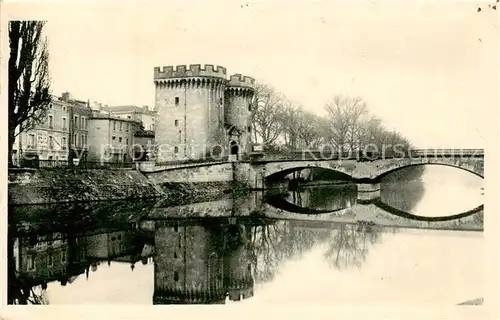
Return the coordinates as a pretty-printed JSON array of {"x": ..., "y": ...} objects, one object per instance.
[{"x": 426, "y": 71}]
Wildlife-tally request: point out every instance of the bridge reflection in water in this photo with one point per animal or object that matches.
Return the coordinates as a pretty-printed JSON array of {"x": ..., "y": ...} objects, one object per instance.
[{"x": 212, "y": 251}]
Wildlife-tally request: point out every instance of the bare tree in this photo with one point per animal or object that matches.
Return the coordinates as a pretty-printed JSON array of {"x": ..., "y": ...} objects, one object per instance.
[
  {"x": 266, "y": 114},
  {"x": 29, "y": 80},
  {"x": 344, "y": 114}
]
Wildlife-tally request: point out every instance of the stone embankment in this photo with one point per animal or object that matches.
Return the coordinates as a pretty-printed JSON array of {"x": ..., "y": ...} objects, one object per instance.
[
  {"x": 38, "y": 186},
  {"x": 46, "y": 186}
]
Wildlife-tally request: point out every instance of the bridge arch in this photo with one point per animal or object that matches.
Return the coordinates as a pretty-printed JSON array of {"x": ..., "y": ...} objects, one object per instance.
[
  {"x": 476, "y": 168},
  {"x": 372, "y": 170},
  {"x": 274, "y": 170}
]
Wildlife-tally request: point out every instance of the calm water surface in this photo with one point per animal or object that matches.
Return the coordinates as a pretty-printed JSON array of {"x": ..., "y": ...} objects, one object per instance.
[{"x": 272, "y": 260}]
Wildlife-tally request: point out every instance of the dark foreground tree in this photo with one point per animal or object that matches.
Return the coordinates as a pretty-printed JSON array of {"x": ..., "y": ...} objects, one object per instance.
[{"x": 29, "y": 79}]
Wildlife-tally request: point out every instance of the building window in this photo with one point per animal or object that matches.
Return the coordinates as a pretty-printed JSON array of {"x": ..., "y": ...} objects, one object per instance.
[
  {"x": 127, "y": 141},
  {"x": 176, "y": 149},
  {"x": 176, "y": 276},
  {"x": 63, "y": 143},
  {"x": 50, "y": 105},
  {"x": 220, "y": 101},
  {"x": 127, "y": 125},
  {"x": 64, "y": 123},
  {"x": 51, "y": 142},
  {"x": 176, "y": 123},
  {"x": 113, "y": 138},
  {"x": 51, "y": 259},
  {"x": 82, "y": 140},
  {"x": 85, "y": 140},
  {"x": 75, "y": 139},
  {"x": 120, "y": 139},
  {"x": 180, "y": 133},
  {"x": 82, "y": 125},
  {"x": 31, "y": 140},
  {"x": 249, "y": 129},
  {"x": 64, "y": 109},
  {"x": 120, "y": 126},
  {"x": 176, "y": 101},
  {"x": 114, "y": 125},
  {"x": 31, "y": 263},
  {"x": 51, "y": 121},
  {"x": 249, "y": 107},
  {"x": 75, "y": 122}
]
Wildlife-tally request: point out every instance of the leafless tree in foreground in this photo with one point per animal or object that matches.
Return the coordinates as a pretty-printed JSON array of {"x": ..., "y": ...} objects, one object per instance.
[{"x": 29, "y": 79}]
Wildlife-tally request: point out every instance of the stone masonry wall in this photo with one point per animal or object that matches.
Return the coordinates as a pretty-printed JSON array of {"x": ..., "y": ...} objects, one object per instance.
[
  {"x": 193, "y": 174},
  {"x": 30, "y": 186}
]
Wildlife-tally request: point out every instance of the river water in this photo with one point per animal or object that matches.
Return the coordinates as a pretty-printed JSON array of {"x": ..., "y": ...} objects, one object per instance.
[{"x": 280, "y": 255}]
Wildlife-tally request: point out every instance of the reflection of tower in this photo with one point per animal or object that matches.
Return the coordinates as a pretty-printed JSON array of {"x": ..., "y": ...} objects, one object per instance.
[
  {"x": 238, "y": 279},
  {"x": 188, "y": 264}
]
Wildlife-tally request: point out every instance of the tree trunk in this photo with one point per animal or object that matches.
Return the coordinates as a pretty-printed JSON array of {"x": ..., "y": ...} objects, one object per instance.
[{"x": 11, "y": 142}]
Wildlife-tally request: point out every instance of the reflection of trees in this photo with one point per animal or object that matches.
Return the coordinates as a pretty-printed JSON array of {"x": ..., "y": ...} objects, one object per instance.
[
  {"x": 349, "y": 244},
  {"x": 275, "y": 243},
  {"x": 330, "y": 197}
]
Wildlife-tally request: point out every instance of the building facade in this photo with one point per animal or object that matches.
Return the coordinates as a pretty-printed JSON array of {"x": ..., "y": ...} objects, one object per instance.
[
  {"x": 49, "y": 140},
  {"x": 200, "y": 112},
  {"x": 110, "y": 139},
  {"x": 139, "y": 114},
  {"x": 61, "y": 135},
  {"x": 79, "y": 114}
]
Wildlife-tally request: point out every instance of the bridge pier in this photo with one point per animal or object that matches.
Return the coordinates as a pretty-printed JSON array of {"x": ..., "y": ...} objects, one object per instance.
[{"x": 368, "y": 191}]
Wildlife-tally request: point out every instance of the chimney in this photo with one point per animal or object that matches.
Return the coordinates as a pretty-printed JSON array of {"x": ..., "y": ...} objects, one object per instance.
[{"x": 66, "y": 96}]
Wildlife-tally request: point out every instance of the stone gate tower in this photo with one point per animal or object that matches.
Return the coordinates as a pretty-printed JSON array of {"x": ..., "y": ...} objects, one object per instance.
[{"x": 200, "y": 112}]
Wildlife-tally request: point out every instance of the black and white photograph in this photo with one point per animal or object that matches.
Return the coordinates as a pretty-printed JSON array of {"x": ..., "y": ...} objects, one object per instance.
[{"x": 249, "y": 153}]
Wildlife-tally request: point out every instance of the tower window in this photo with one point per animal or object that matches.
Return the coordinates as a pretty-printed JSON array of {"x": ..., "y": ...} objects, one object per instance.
[
  {"x": 176, "y": 101},
  {"x": 249, "y": 129},
  {"x": 176, "y": 122},
  {"x": 176, "y": 149},
  {"x": 249, "y": 107},
  {"x": 176, "y": 276}
]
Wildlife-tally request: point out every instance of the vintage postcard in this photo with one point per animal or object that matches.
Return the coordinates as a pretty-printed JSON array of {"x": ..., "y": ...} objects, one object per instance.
[{"x": 309, "y": 155}]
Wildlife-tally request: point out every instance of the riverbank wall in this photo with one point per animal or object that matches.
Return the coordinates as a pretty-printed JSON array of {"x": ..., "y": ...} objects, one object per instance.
[
  {"x": 40, "y": 186},
  {"x": 52, "y": 186}
]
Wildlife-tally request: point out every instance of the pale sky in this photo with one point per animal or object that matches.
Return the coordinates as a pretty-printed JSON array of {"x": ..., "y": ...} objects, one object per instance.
[{"x": 427, "y": 71}]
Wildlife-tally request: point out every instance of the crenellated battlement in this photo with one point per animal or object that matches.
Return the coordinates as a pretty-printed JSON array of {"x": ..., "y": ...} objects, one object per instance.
[
  {"x": 239, "y": 80},
  {"x": 194, "y": 70}
]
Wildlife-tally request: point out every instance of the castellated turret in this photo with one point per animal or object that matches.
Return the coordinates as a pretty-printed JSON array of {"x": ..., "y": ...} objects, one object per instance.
[
  {"x": 188, "y": 264},
  {"x": 200, "y": 112},
  {"x": 239, "y": 94}
]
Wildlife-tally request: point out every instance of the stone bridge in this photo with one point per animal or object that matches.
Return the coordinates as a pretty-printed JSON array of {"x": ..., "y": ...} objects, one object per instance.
[
  {"x": 258, "y": 172},
  {"x": 254, "y": 173}
]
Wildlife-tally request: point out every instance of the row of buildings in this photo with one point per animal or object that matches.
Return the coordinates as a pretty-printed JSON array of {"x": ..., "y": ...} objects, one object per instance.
[
  {"x": 199, "y": 111},
  {"x": 84, "y": 130}
]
